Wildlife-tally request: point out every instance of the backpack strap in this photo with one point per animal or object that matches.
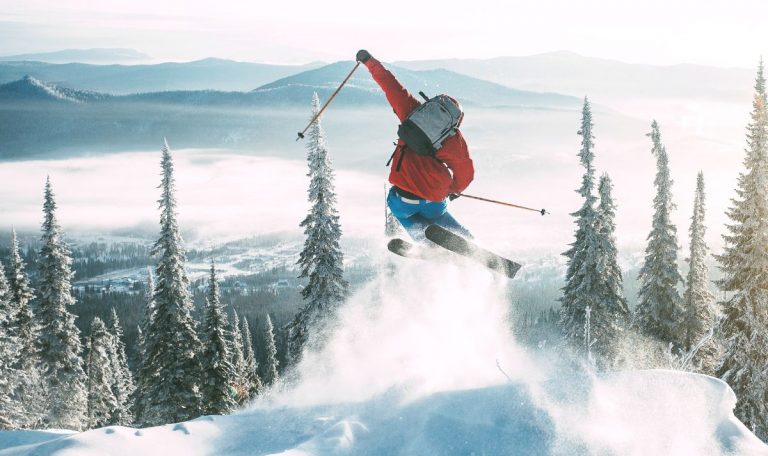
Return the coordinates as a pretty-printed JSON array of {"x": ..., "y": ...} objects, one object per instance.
[{"x": 400, "y": 160}]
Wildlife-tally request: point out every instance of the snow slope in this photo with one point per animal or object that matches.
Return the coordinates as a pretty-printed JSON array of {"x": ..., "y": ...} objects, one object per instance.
[
  {"x": 411, "y": 370},
  {"x": 639, "y": 413}
]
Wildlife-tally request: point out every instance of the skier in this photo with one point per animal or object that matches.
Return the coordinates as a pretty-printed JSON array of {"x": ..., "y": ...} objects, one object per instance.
[{"x": 422, "y": 184}]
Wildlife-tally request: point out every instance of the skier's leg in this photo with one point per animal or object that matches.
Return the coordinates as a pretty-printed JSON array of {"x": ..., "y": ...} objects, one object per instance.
[
  {"x": 451, "y": 224},
  {"x": 408, "y": 216},
  {"x": 437, "y": 213}
]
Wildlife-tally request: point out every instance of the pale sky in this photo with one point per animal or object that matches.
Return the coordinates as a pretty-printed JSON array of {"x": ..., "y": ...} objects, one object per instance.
[{"x": 723, "y": 33}]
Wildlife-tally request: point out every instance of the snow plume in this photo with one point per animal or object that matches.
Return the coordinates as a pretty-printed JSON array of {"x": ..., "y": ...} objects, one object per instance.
[
  {"x": 421, "y": 330},
  {"x": 418, "y": 328}
]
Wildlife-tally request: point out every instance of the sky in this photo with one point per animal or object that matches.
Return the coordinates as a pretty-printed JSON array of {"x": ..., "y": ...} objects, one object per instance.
[{"x": 710, "y": 32}]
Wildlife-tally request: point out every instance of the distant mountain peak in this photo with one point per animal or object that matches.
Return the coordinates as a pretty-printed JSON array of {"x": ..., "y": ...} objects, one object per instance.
[{"x": 30, "y": 88}]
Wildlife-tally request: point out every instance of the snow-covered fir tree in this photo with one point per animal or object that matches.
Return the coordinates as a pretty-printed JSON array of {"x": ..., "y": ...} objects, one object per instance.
[
  {"x": 171, "y": 368},
  {"x": 269, "y": 372},
  {"x": 140, "y": 400},
  {"x": 147, "y": 312},
  {"x": 321, "y": 260},
  {"x": 218, "y": 372},
  {"x": 29, "y": 389},
  {"x": 251, "y": 366},
  {"x": 101, "y": 376},
  {"x": 123, "y": 378},
  {"x": 9, "y": 354},
  {"x": 658, "y": 310},
  {"x": 744, "y": 263},
  {"x": 610, "y": 316},
  {"x": 60, "y": 347},
  {"x": 238, "y": 359},
  {"x": 698, "y": 301},
  {"x": 581, "y": 274}
]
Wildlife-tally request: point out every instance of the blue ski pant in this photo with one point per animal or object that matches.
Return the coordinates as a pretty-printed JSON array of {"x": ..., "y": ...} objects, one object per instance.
[{"x": 415, "y": 215}]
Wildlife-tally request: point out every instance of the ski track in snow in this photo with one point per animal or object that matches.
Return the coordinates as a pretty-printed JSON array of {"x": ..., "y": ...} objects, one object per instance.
[{"x": 411, "y": 369}]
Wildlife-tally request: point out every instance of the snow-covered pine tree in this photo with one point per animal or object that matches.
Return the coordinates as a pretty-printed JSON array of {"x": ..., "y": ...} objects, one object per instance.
[
  {"x": 658, "y": 310},
  {"x": 147, "y": 313},
  {"x": 270, "y": 372},
  {"x": 10, "y": 349},
  {"x": 744, "y": 263},
  {"x": 251, "y": 366},
  {"x": 321, "y": 260},
  {"x": 123, "y": 378},
  {"x": 218, "y": 372},
  {"x": 101, "y": 377},
  {"x": 29, "y": 389},
  {"x": 698, "y": 301},
  {"x": 171, "y": 369},
  {"x": 581, "y": 273},
  {"x": 140, "y": 399},
  {"x": 238, "y": 359},
  {"x": 60, "y": 349},
  {"x": 610, "y": 318}
]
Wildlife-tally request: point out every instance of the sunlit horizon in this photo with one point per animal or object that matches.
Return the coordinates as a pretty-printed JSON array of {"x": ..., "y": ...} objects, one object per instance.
[{"x": 652, "y": 32}]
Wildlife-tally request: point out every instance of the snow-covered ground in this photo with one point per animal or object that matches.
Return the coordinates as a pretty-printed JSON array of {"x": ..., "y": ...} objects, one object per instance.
[
  {"x": 411, "y": 369},
  {"x": 634, "y": 413}
]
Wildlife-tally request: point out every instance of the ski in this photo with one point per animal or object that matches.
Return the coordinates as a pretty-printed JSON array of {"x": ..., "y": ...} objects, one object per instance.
[
  {"x": 469, "y": 249},
  {"x": 408, "y": 249}
]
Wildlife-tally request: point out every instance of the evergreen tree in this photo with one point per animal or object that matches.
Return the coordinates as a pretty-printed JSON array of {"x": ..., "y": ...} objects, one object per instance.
[
  {"x": 9, "y": 355},
  {"x": 321, "y": 260},
  {"x": 270, "y": 373},
  {"x": 101, "y": 377},
  {"x": 29, "y": 389},
  {"x": 610, "y": 316},
  {"x": 123, "y": 379},
  {"x": 698, "y": 301},
  {"x": 744, "y": 263},
  {"x": 140, "y": 399},
  {"x": 60, "y": 348},
  {"x": 251, "y": 367},
  {"x": 171, "y": 368},
  {"x": 238, "y": 359},
  {"x": 582, "y": 271},
  {"x": 659, "y": 304},
  {"x": 219, "y": 374},
  {"x": 146, "y": 314}
]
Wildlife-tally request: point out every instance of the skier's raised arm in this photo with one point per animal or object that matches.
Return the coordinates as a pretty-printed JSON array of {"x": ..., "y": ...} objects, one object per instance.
[{"x": 398, "y": 96}]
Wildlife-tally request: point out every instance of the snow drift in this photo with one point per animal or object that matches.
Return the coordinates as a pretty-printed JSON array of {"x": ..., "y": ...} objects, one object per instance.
[{"x": 411, "y": 369}]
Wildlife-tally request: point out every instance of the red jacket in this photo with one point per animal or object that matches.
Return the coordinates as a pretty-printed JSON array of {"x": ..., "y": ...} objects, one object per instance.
[{"x": 422, "y": 175}]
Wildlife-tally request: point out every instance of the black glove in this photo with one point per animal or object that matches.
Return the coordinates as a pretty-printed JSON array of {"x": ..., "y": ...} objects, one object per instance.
[
  {"x": 453, "y": 196},
  {"x": 362, "y": 56}
]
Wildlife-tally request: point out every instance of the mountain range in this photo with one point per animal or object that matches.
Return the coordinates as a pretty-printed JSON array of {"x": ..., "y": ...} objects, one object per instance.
[
  {"x": 40, "y": 117},
  {"x": 207, "y": 74},
  {"x": 96, "y": 55},
  {"x": 602, "y": 79}
]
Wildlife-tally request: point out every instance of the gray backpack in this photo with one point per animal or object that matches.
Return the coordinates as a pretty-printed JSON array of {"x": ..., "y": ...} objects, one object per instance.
[{"x": 427, "y": 127}]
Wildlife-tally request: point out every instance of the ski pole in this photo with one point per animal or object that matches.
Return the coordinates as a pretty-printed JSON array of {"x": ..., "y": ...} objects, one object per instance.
[
  {"x": 301, "y": 133},
  {"x": 541, "y": 211}
]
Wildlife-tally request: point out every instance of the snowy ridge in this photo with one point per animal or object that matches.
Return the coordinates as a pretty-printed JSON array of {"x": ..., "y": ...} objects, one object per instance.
[{"x": 32, "y": 88}]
